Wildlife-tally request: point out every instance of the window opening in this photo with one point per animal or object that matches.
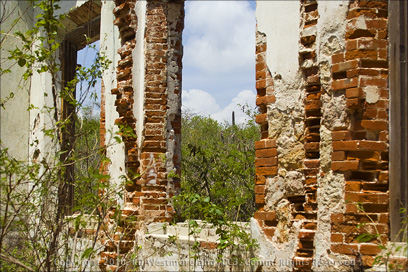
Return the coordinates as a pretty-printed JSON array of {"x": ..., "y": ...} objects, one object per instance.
[
  {"x": 87, "y": 123},
  {"x": 78, "y": 53},
  {"x": 218, "y": 73}
]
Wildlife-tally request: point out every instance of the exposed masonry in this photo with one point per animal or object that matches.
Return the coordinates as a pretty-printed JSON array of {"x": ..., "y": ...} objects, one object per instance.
[
  {"x": 360, "y": 150},
  {"x": 308, "y": 183},
  {"x": 155, "y": 108},
  {"x": 323, "y": 94},
  {"x": 323, "y": 123}
]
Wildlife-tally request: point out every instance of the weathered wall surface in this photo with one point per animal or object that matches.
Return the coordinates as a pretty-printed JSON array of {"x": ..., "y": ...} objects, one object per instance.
[
  {"x": 14, "y": 122},
  {"x": 145, "y": 97},
  {"x": 323, "y": 95},
  {"x": 324, "y": 122}
]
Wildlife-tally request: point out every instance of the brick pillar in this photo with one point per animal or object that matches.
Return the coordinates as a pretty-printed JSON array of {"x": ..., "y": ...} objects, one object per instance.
[
  {"x": 361, "y": 151},
  {"x": 266, "y": 156},
  {"x": 155, "y": 152}
]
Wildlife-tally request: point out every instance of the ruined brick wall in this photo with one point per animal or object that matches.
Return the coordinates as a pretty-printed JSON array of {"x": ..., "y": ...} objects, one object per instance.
[
  {"x": 325, "y": 153},
  {"x": 360, "y": 151},
  {"x": 148, "y": 102}
]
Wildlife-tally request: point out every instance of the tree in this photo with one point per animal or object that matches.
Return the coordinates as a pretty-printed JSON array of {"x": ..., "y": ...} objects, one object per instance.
[{"x": 218, "y": 162}]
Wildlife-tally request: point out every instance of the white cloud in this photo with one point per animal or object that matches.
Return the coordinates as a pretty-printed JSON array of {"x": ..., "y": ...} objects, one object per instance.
[
  {"x": 203, "y": 103},
  {"x": 219, "y": 37},
  {"x": 199, "y": 102}
]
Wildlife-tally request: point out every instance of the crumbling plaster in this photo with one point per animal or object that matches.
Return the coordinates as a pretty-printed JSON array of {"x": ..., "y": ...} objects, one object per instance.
[{"x": 330, "y": 37}]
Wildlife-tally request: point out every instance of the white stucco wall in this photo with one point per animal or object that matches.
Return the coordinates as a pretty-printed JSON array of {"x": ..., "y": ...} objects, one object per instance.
[
  {"x": 110, "y": 43},
  {"x": 14, "y": 117},
  {"x": 280, "y": 21},
  {"x": 138, "y": 70}
]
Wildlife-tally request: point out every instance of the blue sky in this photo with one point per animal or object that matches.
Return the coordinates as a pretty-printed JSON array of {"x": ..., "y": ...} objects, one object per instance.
[{"x": 219, "y": 58}]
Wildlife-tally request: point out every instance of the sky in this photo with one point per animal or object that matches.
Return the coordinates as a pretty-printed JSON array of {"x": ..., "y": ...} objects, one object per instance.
[
  {"x": 218, "y": 61},
  {"x": 219, "y": 58}
]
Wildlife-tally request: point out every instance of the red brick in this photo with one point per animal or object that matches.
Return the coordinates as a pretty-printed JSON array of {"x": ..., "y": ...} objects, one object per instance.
[
  {"x": 261, "y": 118},
  {"x": 259, "y": 144},
  {"x": 261, "y": 48},
  {"x": 369, "y": 81},
  {"x": 368, "y": 261},
  {"x": 336, "y": 238},
  {"x": 353, "y": 92},
  {"x": 270, "y": 216},
  {"x": 371, "y": 44},
  {"x": 353, "y": 103},
  {"x": 370, "y": 249},
  {"x": 266, "y": 153},
  {"x": 383, "y": 136},
  {"x": 259, "y": 162},
  {"x": 265, "y": 100},
  {"x": 351, "y": 44},
  {"x": 374, "y": 125},
  {"x": 363, "y": 72},
  {"x": 346, "y": 83},
  {"x": 361, "y": 53},
  {"x": 382, "y": 54},
  {"x": 310, "y": 181},
  {"x": 312, "y": 163},
  {"x": 337, "y": 58},
  {"x": 338, "y": 156},
  {"x": 268, "y": 232},
  {"x": 362, "y": 197},
  {"x": 337, "y": 218},
  {"x": 363, "y": 155},
  {"x": 260, "y": 180},
  {"x": 313, "y": 104},
  {"x": 373, "y": 4},
  {"x": 260, "y": 199},
  {"x": 260, "y": 74},
  {"x": 353, "y": 185},
  {"x": 306, "y": 235},
  {"x": 261, "y": 84},
  {"x": 372, "y": 145},
  {"x": 270, "y": 143},
  {"x": 344, "y": 145},
  {"x": 382, "y": 34},
  {"x": 383, "y": 114},
  {"x": 351, "y": 208},
  {"x": 344, "y": 165},
  {"x": 208, "y": 245},
  {"x": 312, "y": 146},
  {"x": 260, "y": 189},
  {"x": 266, "y": 171},
  {"x": 357, "y": 12},
  {"x": 341, "y": 135},
  {"x": 368, "y": 63},
  {"x": 345, "y": 249},
  {"x": 370, "y": 113},
  {"x": 340, "y": 67},
  {"x": 359, "y": 33},
  {"x": 383, "y": 176}
]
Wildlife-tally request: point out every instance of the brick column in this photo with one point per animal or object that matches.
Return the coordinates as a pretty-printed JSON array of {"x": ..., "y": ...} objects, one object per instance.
[
  {"x": 361, "y": 151},
  {"x": 266, "y": 156},
  {"x": 155, "y": 152}
]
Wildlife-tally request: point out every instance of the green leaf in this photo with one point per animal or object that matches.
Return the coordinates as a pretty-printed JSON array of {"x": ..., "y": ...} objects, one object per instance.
[
  {"x": 87, "y": 253},
  {"x": 21, "y": 62}
]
